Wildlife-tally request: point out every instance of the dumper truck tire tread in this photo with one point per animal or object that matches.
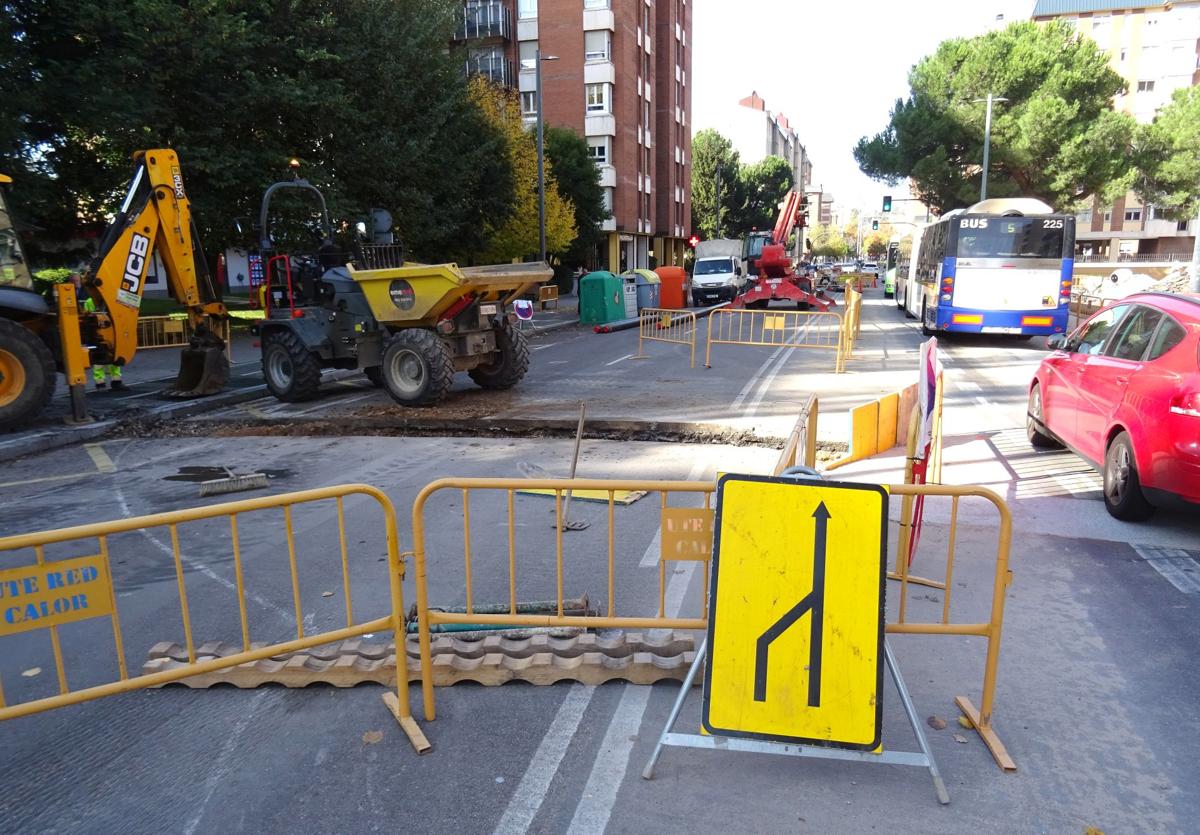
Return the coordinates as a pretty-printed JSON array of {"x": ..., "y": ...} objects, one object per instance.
[
  {"x": 291, "y": 372},
  {"x": 418, "y": 369},
  {"x": 512, "y": 361},
  {"x": 27, "y": 375}
]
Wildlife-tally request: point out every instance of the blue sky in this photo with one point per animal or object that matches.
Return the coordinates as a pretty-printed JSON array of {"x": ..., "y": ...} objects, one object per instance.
[{"x": 834, "y": 69}]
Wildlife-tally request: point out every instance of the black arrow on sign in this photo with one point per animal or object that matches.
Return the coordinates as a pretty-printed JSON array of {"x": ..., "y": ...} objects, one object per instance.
[{"x": 813, "y": 602}]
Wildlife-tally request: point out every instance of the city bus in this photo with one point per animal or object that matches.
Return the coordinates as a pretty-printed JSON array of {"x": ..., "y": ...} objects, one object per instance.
[
  {"x": 1001, "y": 266},
  {"x": 895, "y": 265}
]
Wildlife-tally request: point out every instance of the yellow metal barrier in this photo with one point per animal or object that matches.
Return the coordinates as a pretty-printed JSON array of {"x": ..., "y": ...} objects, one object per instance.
[
  {"x": 50, "y": 593},
  {"x": 803, "y": 437},
  {"x": 661, "y": 325},
  {"x": 174, "y": 332},
  {"x": 851, "y": 320},
  {"x": 687, "y": 534},
  {"x": 779, "y": 328}
]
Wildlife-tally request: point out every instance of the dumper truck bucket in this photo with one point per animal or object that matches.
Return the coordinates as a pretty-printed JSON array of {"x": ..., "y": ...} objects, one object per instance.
[{"x": 203, "y": 367}]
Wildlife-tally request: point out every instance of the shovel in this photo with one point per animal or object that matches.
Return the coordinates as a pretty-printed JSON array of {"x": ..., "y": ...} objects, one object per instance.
[{"x": 567, "y": 524}]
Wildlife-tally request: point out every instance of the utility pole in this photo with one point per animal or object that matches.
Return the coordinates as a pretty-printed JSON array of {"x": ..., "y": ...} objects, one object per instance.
[
  {"x": 718, "y": 200},
  {"x": 987, "y": 141},
  {"x": 541, "y": 164}
]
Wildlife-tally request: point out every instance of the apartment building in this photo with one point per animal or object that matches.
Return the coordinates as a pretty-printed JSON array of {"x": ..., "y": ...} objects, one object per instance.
[
  {"x": 1155, "y": 47},
  {"x": 617, "y": 73},
  {"x": 757, "y": 133}
]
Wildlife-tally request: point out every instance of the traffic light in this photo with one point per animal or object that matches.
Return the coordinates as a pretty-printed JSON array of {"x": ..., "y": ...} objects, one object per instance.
[
  {"x": 887, "y": 202},
  {"x": 692, "y": 241},
  {"x": 874, "y": 226}
]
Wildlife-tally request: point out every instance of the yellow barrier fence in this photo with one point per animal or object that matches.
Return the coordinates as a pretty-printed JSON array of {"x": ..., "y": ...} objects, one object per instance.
[
  {"x": 661, "y": 325},
  {"x": 72, "y": 592},
  {"x": 778, "y": 329},
  {"x": 173, "y": 332},
  {"x": 851, "y": 320},
  {"x": 803, "y": 439},
  {"x": 687, "y": 534}
]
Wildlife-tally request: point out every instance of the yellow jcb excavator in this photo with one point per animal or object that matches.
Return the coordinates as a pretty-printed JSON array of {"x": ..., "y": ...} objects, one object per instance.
[{"x": 40, "y": 336}]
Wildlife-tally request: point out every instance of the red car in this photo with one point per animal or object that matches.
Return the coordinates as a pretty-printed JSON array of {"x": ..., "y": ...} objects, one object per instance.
[{"x": 1123, "y": 391}]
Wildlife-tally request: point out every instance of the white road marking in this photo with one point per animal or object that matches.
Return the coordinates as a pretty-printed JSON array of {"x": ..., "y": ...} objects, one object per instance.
[
  {"x": 650, "y": 558},
  {"x": 558, "y": 362},
  {"x": 622, "y": 359},
  {"x": 612, "y": 760},
  {"x": 765, "y": 386},
  {"x": 329, "y": 403},
  {"x": 100, "y": 458},
  {"x": 1175, "y": 564},
  {"x": 983, "y": 401},
  {"x": 143, "y": 394},
  {"x": 967, "y": 385},
  {"x": 222, "y": 767},
  {"x": 542, "y": 347},
  {"x": 535, "y": 782}
]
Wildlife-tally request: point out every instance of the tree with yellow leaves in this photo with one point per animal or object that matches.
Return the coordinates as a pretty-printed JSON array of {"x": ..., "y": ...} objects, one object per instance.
[{"x": 517, "y": 236}]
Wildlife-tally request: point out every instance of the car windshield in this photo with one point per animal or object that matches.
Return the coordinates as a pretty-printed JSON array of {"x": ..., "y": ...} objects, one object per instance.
[
  {"x": 714, "y": 266},
  {"x": 1003, "y": 237}
]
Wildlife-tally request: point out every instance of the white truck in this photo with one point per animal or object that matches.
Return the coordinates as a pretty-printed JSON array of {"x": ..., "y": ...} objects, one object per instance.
[{"x": 719, "y": 274}]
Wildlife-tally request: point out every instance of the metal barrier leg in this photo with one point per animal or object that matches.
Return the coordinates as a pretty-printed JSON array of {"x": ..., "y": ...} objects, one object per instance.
[
  {"x": 648, "y": 771},
  {"x": 938, "y": 785}
]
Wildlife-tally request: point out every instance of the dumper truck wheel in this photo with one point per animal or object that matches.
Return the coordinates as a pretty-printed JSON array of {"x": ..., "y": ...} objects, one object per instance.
[
  {"x": 375, "y": 375},
  {"x": 292, "y": 373},
  {"x": 417, "y": 367},
  {"x": 27, "y": 374},
  {"x": 511, "y": 363}
]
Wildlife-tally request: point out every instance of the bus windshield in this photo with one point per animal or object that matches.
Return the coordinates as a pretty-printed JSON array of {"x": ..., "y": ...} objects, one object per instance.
[{"x": 1010, "y": 238}]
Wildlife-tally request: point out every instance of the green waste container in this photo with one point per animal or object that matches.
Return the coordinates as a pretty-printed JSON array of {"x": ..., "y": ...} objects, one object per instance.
[{"x": 601, "y": 298}]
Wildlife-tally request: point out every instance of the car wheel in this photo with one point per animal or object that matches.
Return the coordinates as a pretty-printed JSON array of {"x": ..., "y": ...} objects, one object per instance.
[
  {"x": 1123, "y": 497},
  {"x": 1035, "y": 422}
]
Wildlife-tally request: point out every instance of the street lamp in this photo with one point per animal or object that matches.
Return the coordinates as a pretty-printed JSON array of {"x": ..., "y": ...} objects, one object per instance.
[
  {"x": 987, "y": 140},
  {"x": 538, "y": 59}
]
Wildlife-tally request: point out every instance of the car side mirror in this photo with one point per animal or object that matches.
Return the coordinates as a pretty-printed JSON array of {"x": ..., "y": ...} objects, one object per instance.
[{"x": 1056, "y": 341}]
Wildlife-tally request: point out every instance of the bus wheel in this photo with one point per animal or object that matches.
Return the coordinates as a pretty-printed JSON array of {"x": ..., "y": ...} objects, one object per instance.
[{"x": 925, "y": 329}]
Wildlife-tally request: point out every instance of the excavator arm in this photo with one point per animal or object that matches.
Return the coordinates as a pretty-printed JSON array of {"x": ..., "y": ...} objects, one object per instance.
[{"x": 155, "y": 219}]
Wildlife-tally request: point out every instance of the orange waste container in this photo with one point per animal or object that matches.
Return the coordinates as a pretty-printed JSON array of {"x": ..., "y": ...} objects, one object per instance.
[{"x": 673, "y": 290}]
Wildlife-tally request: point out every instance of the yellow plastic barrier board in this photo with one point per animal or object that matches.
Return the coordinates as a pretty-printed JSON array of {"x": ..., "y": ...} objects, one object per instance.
[
  {"x": 619, "y": 496},
  {"x": 38, "y": 596},
  {"x": 795, "y": 635}
]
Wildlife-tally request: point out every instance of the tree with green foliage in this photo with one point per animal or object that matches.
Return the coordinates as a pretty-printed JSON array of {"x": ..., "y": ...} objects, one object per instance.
[
  {"x": 764, "y": 185},
  {"x": 578, "y": 180},
  {"x": 1168, "y": 164},
  {"x": 709, "y": 150},
  {"x": 363, "y": 93},
  {"x": 517, "y": 235},
  {"x": 1057, "y": 137},
  {"x": 827, "y": 241}
]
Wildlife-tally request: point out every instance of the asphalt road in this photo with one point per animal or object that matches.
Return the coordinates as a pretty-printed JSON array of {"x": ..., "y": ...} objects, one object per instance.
[{"x": 1097, "y": 677}]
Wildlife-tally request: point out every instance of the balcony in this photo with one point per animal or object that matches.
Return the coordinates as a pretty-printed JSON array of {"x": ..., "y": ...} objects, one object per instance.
[
  {"x": 492, "y": 65},
  {"x": 484, "y": 21}
]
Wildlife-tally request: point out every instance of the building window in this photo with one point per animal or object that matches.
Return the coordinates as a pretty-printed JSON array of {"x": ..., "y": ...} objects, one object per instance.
[
  {"x": 1133, "y": 214},
  {"x": 1122, "y": 54},
  {"x": 597, "y": 98},
  {"x": 528, "y": 55},
  {"x": 596, "y": 4},
  {"x": 1085, "y": 216},
  {"x": 1108, "y": 217},
  {"x": 608, "y": 199},
  {"x": 1181, "y": 226},
  {"x": 596, "y": 45},
  {"x": 598, "y": 149},
  {"x": 1145, "y": 86},
  {"x": 526, "y": 9}
]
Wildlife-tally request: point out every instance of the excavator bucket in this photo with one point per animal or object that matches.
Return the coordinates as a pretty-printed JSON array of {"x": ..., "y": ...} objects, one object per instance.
[{"x": 203, "y": 367}]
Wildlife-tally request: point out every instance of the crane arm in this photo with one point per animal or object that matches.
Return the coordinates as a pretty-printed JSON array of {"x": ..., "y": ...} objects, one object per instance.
[
  {"x": 155, "y": 218},
  {"x": 789, "y": 216}
]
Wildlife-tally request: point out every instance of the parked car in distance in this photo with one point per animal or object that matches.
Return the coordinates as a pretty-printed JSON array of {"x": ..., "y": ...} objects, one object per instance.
[{"x": 1123, "y": 391}]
